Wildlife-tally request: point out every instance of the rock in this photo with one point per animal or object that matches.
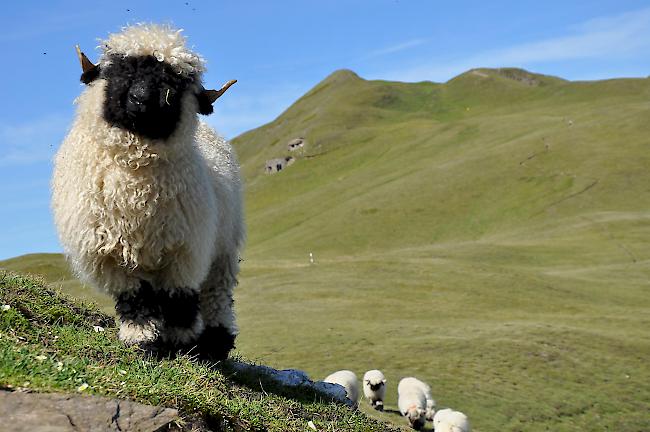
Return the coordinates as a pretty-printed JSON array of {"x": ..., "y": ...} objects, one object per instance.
[
  {"x": 335, "y": 391},
  {"x": 34, "y": 412},
  {"x": 295, "y": 378}
]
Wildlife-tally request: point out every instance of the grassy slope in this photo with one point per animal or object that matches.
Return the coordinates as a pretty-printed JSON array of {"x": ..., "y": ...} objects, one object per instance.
[
  {"x": 47, "y": 343},
  {"x": 486, "y": 235}
]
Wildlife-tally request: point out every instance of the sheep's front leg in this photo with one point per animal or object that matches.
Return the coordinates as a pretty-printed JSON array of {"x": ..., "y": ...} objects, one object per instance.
[
  {"x": 182, "y": 317},
  {"x": 218, "y": 339},
  {"x": 140, "y": 316}
]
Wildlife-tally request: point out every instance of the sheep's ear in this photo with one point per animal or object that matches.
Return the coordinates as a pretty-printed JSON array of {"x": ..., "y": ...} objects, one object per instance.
[
  {"x": 90, "y": 70},
  {"x": 207, "y": 97},
  {"x": 205, "y": 107}
]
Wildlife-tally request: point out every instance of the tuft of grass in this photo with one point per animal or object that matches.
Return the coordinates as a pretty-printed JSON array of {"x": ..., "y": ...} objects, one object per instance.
[{"x": 49, "y": 342}]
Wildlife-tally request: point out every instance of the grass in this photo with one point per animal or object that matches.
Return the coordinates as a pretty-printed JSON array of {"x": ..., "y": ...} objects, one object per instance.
[{"x": 488, "y": 235}]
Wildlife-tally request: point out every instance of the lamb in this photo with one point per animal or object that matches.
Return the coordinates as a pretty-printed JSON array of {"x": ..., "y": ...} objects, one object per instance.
[
  {"x": 349, "y": 381},
  {"x": 374, "y": 388},
  {"x": 448, "y": 420},
  {"x": 147, "y": 198},
  {"x": 415, "y": 401}
]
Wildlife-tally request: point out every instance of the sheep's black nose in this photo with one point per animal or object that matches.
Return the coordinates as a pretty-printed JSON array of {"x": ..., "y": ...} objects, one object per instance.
[{"x": 138, "y": 94}]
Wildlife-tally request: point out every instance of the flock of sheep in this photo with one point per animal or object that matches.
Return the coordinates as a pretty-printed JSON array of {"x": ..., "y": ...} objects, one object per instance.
[{"x": 413, "y": 399}]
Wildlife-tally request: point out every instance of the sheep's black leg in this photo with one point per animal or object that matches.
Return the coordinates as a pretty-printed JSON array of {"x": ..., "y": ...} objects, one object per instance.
[
  {"x": 140, "y": 316},
  {"x": 183, "y": 321},
  {"x": 217, "y": 308},
  {"x": 216, "y": 342}
]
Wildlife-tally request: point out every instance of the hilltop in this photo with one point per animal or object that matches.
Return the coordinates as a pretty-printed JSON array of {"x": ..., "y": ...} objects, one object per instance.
[
  {"x": 487, "y": 234},
  {"x": 480, "y": 155}
]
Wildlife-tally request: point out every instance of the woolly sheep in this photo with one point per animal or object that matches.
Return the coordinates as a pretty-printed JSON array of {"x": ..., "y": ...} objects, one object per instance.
[
  {"x": 448, "y": 420},
  {"x": 374, "y": 388},
  {"x": 147, "y": 198},
  {"x": 415, "y": 401},
  {"x": 349, "y": 381}
]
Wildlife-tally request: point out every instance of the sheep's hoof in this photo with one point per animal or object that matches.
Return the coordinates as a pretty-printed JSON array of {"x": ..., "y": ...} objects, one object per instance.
[
  {"x": 379, "y": 406},
  {"x": 144, "y": 333}
]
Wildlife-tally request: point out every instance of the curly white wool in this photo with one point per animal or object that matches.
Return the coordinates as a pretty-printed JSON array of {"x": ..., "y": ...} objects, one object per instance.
[{"x": 161, "y": 41}]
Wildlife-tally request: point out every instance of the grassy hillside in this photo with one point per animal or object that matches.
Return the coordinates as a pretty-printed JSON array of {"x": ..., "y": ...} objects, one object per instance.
[
  {"x": 488, "y": 235},
  {"x": 48, "y": 343}
]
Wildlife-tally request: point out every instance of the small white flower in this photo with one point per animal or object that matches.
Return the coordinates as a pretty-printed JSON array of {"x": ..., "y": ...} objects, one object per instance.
[
  {"x": 5, "y": 308},
  {"x": 59, "y": 366},
  {"x": 41, "y": 357},
  {"x": 82, "y": 387},
  {"x": 122, "y": 372},
  {"x": 98, "y": 329}
]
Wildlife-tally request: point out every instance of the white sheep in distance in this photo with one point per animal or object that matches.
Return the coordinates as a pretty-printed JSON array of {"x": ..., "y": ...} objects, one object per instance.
[
  {"x": 448, "y": 420},
  {"x": 349, "y": 381},
  {"x": 147, "y": 198},
  {"x": 415, "y": 402},
  {"x": 374, "y": 388}
]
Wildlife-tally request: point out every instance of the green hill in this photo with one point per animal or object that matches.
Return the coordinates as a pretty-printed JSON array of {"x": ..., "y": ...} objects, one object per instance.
[{"x": 487, "y": 234}]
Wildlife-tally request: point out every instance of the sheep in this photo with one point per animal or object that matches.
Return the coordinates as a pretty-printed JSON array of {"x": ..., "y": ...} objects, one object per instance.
[
  {"x": 448, "y": 420},
  {"x": 147, "y": 199},
  {"x": 349, "y": 381},
  {"x": 415, "y": 402},
  {"x": 374, "y": 388}
]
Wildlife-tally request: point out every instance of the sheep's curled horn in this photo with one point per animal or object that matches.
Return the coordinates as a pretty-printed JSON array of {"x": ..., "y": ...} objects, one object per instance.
[{"x": 206, "y": 98}]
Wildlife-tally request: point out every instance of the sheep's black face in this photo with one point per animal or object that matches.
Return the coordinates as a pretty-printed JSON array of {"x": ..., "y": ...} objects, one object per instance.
[
  {"x": 143, "y": 95},
  {"x": 375, "y": 387}
]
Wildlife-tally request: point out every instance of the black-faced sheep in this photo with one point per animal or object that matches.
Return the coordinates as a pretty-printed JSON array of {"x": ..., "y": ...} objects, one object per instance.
[
  {"x": 415, "y": 402},
  {"x": 349, "y": 381},
  {"x": 147, "y": 199},
  {"x": 374, "y": 388}
]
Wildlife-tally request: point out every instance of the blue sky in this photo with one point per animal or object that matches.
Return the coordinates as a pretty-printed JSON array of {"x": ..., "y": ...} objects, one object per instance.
[{"x": 278, "y": 50}]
